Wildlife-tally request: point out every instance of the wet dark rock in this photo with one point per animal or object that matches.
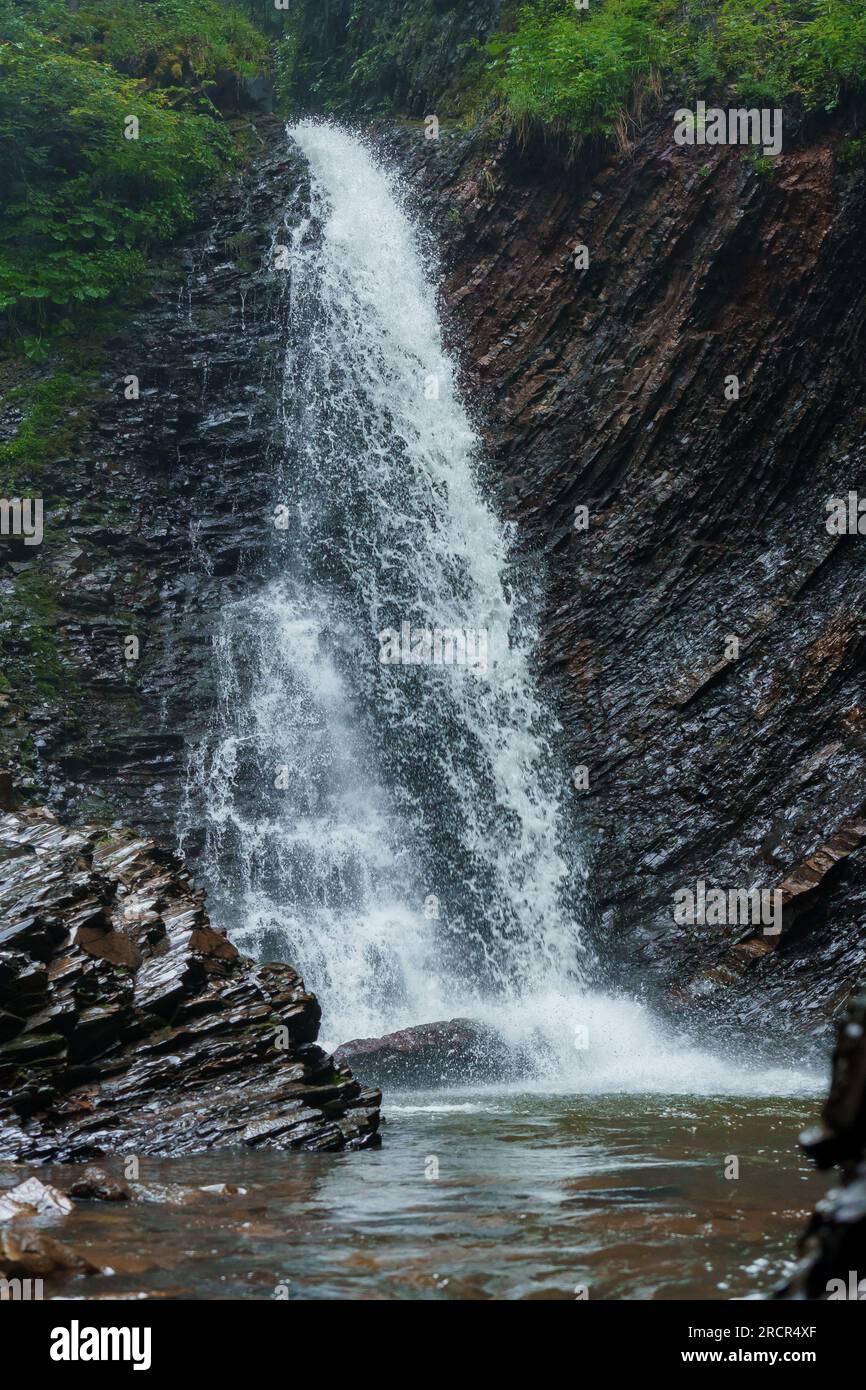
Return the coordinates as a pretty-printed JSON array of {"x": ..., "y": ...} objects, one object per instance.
[
  {"x": 162, "y": 514},
  {"x": 707, "y": 519},
  {"x": 833, "y": 1247},
  {"x": 230, "y": 91},
  {"x": 138, "y": 1027},
  {"x": 432, "y": 1054},
  {"x": 95, "y": 1185}
]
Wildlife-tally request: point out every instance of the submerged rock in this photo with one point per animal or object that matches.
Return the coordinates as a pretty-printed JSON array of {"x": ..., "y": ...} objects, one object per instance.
[
  {"x": 130, "y": 1024},
  {"x": 96, "y": 1185},
  {"x": 432, "y": 1054},
  {"x": 833, "y": 1246},
  {"x": 30, "y": 1254},
  {"x": 26, "y": 1253}
]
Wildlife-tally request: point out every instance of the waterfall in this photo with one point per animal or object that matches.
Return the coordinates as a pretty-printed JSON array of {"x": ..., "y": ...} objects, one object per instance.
[
  {"x": 395, "y": 828},
  {"x": 400, "y": 829}
]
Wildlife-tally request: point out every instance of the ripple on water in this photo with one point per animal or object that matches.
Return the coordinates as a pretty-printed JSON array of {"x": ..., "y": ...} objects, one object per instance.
[{"x": 528, "y": 1197}]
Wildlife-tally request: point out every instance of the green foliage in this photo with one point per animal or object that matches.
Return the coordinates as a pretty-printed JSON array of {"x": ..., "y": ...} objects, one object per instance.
[
  {"x": 832, "y": 52},
  {"x": 740, "y": 47},
  {"x": 851, "y": 155},
  {"x": 580, "y": 71},
  {"x": 286, "y": 51},
  {"x": 760, "y": 164},
  {"x": 83, "y": 202},
  {"x": 165, "y": 41}
]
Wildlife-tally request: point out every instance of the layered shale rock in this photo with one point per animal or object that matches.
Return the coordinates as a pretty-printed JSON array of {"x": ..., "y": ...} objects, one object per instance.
[
  {"x": 740, "y": 763},
  {"x": 833, "y": 1247},
  {"x": 129, "y": 1024},
  {"x": 602, "y": 388},
  {"x": 158, "y": 514}
]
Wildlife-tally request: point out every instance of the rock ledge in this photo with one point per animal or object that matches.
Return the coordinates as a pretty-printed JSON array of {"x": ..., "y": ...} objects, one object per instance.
[{"x": 129, "y": 1024}]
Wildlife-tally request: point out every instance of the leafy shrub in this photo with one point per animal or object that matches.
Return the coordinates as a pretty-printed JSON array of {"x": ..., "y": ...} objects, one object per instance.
[
  {"x": 578, "y": 71},
  {"x": 166, "y": 41},
  {"x": 831, "y": 57},
  {"x": 84, "y": 203}
]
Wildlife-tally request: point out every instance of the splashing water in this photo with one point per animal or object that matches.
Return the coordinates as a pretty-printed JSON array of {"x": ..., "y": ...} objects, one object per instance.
[{"x": 400, "y": 832}]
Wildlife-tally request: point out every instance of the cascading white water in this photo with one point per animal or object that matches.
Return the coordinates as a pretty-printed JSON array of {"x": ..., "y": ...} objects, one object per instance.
[{"x": 400, "y": 832}]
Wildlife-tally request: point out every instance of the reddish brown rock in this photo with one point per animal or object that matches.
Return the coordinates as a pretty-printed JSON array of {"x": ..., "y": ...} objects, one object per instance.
[
  {"x": 26, "y": 1254},
  {"x": 605, "y": 388}
]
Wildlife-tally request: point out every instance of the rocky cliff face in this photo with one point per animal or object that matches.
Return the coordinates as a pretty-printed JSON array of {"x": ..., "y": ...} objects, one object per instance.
[
  {"x": 129, "y": 1024},
  {"x": 161, "y": 513},
  {"x": 407, "y": 57},
  {"x": 740, "y": 763}
]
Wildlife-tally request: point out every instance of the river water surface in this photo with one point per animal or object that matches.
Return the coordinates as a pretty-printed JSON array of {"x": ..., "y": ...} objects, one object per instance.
[{"x": 536, "y": 1195}]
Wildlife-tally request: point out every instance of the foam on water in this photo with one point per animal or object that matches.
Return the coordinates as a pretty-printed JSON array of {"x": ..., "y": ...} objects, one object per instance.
[
  {"x": 597, "y": 1043},
  {"x": 401, "y": 833}
]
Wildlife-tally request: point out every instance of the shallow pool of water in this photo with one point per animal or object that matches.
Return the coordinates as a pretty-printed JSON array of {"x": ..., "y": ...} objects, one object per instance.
[{"x": 475, "y": 1195}]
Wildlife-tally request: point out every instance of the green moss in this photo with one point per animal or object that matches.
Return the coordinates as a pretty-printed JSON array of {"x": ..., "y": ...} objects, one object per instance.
[
  {"x": 55, "y": 412},
  {"x": 28, "y": 639},
  {"x": 239, "y": 247},
  {"x": 26, "y": 754},
  {"x": 851, "y": 155}
]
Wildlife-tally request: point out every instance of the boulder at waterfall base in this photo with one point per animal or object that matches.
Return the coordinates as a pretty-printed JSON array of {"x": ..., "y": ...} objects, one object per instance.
[{"x": 450, "y": 1052}]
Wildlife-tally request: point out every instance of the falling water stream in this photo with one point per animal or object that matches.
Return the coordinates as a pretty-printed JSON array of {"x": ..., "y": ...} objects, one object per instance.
[
  {"x": 410, "y": 858},
  {"x": 403, "y": 831}
]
